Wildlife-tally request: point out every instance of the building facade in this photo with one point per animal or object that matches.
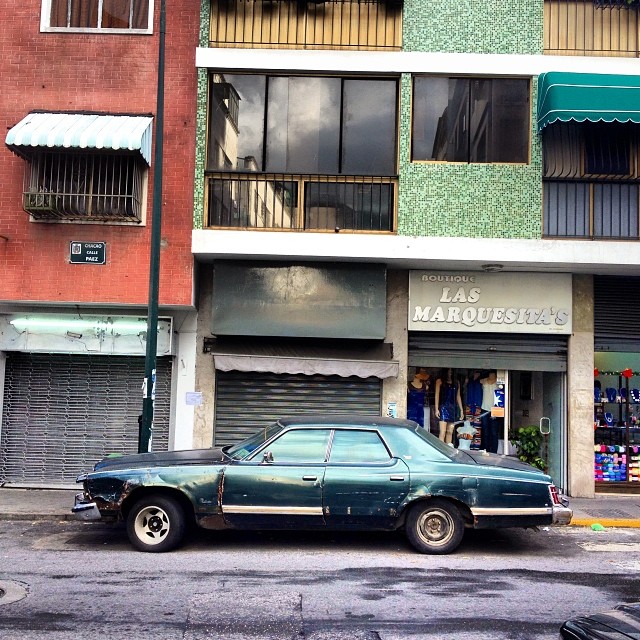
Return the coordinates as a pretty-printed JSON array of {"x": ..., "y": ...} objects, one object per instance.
[
  {"x": 75, "y": 224},
  {"x": 502, "y": 220}
]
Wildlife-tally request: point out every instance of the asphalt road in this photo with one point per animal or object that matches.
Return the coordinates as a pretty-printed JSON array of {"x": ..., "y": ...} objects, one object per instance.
[{"x": 61, "y": 580}]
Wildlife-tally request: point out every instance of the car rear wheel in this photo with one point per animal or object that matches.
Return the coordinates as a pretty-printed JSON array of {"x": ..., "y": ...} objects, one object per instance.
[
  {"x": 156, "y": 524},
  {"x": 435, "y": 527}
]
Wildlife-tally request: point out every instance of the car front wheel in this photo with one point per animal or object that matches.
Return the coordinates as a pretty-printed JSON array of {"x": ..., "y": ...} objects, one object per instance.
[
  {"x": 435, "y": 527},
  {"x": 156, "y": 524}
]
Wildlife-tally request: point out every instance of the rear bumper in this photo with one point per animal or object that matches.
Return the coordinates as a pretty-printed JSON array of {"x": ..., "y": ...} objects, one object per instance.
[
  {"x": 85, "y": 510},
  {"x": 562, "y": 514}
]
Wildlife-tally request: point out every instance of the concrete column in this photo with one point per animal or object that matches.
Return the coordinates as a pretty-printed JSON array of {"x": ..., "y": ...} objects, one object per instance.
[
  {"x": 580, "y": 391},
  {"x": 205, "y": 373},
  {"x": 395, "y": 389}
]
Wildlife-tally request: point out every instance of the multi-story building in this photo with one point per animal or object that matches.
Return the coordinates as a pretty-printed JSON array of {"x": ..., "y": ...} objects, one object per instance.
[
  {"x": 389, "y": 186},
  {"x": 78, "y": 111},
  {"x": 385, "y": 188}
]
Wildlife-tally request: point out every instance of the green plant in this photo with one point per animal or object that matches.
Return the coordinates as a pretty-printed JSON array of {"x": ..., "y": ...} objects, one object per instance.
[{"x": 527, "y": 442}]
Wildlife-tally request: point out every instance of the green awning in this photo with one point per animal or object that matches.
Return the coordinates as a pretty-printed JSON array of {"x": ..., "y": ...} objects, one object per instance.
[{"x": 587, "y": 97}]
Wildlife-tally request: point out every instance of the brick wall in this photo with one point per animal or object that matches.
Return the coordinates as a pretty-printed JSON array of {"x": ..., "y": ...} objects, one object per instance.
[{"x": 106, "y": 73}]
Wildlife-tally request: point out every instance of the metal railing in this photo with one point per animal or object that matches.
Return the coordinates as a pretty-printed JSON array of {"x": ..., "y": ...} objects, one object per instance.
[
  {"x": 593, "y": 210},
  {"x": 294, "y": 202},
  {"x": 591, "y": 28},
  {"x": 335, "y": 24}
]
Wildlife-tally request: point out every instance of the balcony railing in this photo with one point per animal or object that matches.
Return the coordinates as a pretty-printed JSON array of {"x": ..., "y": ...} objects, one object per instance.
[
  {"x": 590, "y": 28},
  {"x": 335, "y": 24},
  {"x": 301, "y": 203},
  {"x": 591, "y": 209}
]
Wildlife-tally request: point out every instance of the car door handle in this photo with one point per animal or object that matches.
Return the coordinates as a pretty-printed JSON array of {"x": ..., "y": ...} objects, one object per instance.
[
  {"x": 310, "y": 478},
  {"x": 396, "y": 478}
]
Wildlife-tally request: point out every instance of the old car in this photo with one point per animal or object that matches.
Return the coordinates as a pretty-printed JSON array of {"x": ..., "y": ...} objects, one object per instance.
[
  {"x": 618, "y": 623},
  {"x": 327, "y": 472}
]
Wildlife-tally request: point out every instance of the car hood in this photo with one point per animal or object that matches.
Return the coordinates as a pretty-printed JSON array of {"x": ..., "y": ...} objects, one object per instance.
[
  {"x": 162, "y": 459},
  {"x": 619, "y": 623},
  {"x": 495, "y": 460}
]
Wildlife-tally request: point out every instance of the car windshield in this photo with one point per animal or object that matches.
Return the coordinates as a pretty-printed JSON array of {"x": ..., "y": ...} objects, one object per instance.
[{"x": 243, "y": 449}]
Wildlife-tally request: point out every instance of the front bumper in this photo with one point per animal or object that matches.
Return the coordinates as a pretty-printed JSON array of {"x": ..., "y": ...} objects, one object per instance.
[{"x": 85, "y": 510}]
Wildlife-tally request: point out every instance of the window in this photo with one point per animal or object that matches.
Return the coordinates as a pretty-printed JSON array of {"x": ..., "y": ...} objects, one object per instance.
[
  {"x": 363, "y": 447},
  {"x": 591, "y": 180},
  {"x": 84, "y": 187},
  {"x": 470, "y": 119},
  {"x": 308, "y": 445},
  {"x": 110, "y": 16},
  {"x": 304, "y": 125}
]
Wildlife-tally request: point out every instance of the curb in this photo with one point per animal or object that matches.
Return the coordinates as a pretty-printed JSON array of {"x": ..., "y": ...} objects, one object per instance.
[
  {"x": 36, "y": 517},
  {"x": 606, "y": 522}
]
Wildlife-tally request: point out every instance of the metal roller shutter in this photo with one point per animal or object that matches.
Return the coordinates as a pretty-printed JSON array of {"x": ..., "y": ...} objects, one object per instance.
[
  {"x": 247, "y": 402},
  {"x": 62, "y": 413},
  {"x": 616, "y": 313},
  {"x": 488, "y": 351}
]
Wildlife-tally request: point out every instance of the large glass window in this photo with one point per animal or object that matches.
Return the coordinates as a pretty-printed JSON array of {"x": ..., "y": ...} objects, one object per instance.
[
  {"x": 304, "y": 125},
  {"x": 471, "y": 119}
]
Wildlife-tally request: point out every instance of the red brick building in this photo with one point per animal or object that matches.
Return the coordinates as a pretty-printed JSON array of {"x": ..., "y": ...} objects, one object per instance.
[{"x": 69, "y": 328}]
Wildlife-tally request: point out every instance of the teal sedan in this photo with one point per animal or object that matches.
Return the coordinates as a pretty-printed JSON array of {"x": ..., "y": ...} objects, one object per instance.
[{"x": 322, "y": 472}]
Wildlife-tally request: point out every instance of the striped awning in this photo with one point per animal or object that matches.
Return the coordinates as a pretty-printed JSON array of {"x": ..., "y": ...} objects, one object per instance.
[
  {"x": 81, "y": 131},
  {"x": 587, "y": 97}
]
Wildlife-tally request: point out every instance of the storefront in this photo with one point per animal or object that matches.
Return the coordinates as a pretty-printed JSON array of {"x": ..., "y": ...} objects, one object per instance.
[
  {"x": 616, "y": 384},
  {"x": 493, "y": 350},
  {"x": 71, "y": 393},
  {"x": 290, "y": 339}
]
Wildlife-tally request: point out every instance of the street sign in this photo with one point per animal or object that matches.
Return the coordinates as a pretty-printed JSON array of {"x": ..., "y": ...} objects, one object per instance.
[{"x": 88, "y": 252}]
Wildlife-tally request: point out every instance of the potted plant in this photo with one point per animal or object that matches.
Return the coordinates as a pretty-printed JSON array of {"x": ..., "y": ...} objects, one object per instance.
[{"x": 528, "y": 441}]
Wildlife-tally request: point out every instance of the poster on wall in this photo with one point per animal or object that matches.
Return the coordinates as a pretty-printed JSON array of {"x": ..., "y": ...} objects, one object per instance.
[{"x": 490, "y": 302}]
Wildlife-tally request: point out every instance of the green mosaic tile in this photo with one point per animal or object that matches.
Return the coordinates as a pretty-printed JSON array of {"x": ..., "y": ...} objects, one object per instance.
[
  {"x": 468, "y": 200},
  {"x": 473, "y": 26}
]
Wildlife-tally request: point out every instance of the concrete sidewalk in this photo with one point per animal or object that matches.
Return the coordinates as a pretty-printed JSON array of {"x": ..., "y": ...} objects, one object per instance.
[{"x": 608, "y": 510}]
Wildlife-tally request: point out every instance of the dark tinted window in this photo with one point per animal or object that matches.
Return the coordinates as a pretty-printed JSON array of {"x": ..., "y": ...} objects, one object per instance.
[
  {"x": 470, "y": 119},
  {"x": 306, "y": 125}
]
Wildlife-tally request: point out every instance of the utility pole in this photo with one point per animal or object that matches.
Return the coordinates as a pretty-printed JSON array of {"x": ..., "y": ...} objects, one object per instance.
[{"x": 149, "y": 386}]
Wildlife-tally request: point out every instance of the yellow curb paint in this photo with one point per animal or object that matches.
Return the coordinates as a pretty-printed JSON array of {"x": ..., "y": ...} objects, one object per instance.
[{"x": 606, "y": 522}]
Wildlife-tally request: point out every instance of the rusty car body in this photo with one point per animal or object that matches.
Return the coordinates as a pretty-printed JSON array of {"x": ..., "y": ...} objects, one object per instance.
[{"x": 327, "y": 472}]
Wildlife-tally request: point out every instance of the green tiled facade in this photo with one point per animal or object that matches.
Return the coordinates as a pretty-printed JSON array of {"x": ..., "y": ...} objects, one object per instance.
[
  {"x": 473, "y": 26},
  {"x": 470, "y": 200}
]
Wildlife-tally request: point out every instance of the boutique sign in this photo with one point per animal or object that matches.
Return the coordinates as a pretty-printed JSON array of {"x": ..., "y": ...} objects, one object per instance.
[{"x": 490, "y": 302}]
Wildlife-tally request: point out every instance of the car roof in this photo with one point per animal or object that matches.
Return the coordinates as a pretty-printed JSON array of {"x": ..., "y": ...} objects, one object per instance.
[{"x": 344, "y": 420}]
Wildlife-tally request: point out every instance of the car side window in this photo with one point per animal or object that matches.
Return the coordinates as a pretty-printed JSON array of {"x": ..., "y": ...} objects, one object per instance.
[
  {"x": 300, "y": 445},
  {"x": 358, "y": 447}
]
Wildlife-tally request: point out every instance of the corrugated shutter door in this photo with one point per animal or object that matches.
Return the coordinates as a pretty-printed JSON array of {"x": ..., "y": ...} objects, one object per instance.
[
  {"x": 521, "y": 352},
  {"x": 62, "y": 413},
  {"x": 247, "y": 402},
  {"x": 616, "y": 313}
]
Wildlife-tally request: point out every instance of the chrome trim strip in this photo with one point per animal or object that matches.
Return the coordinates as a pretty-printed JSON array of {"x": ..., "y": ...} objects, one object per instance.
[
  {"x": 511, "y": 511},
  {"x": 271, "y": 511}
]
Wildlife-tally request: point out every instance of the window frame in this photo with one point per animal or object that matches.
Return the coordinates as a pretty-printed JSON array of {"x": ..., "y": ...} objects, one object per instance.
[
  {"x": 139, "y": 180},
  {"x": 45, "y": 26},
  {"x": 469, "y": 97}
]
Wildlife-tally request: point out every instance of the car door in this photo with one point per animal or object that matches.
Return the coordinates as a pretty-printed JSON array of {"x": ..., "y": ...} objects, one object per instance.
[
  {"x": 363, "y": 484},
  {"x": 280, "y": 486}
]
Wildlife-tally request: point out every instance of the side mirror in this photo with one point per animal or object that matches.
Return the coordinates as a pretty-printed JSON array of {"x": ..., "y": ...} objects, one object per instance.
[{"x": 267, "y": 457}]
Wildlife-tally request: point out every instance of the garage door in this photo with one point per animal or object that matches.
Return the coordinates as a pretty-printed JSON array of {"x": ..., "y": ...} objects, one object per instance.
[
  {"x": 62, "y": 413},
  {"x": 245, "y": 402}
]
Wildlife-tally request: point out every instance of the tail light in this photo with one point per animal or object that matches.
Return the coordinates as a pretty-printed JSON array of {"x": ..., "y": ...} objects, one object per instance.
[{"x": 555, "y": 496}]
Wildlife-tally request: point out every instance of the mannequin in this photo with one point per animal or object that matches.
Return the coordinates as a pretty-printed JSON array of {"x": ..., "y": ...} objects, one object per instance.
[
  {"x": 417, "y": 395},
  {"x": 490, "y": 424},
  {"x": 448, "y": 403}
]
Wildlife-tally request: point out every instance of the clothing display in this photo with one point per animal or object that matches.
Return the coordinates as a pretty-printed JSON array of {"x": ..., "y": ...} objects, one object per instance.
[
  {"x": 448, "y": 404},
  {"x": 416, "y": 399}
]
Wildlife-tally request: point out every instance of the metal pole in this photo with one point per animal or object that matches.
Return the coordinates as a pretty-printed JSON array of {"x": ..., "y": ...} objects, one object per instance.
[{"x": 148, "y": 394}]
